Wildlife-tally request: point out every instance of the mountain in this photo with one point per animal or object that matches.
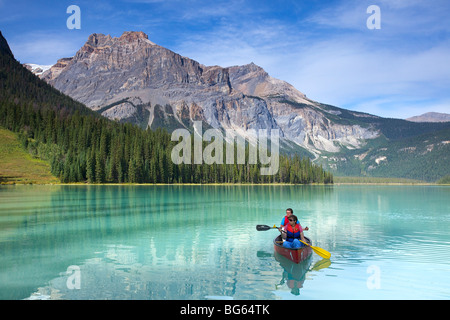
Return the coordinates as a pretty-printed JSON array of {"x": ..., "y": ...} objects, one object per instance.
[
  {"x": 131, "y": 79},
  {"x": 80, "y": 145},
  {"x": 431, "y": 117}
]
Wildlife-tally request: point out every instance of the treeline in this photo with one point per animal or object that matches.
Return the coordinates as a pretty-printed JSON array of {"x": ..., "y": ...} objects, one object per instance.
[{"x": 82, "y": 146}]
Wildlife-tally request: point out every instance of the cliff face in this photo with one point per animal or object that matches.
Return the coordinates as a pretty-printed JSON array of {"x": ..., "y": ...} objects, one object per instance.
[
  {"x": 106, "y": 67},
  {"x": 303, "y": 121},
  {"x": 131, "y": 78}
]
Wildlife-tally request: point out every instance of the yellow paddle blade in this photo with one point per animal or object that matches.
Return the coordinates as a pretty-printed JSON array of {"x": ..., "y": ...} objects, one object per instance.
[
  {"x": 274, "y": 226},
  {"x": 322, "y": 264},
  {"x": 319, "y": 251}
]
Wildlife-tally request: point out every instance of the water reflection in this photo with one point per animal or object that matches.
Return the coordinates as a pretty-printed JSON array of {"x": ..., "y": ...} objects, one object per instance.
[
  {"x": 294, "y": 273},
  {"x": 195, "y": 242}
]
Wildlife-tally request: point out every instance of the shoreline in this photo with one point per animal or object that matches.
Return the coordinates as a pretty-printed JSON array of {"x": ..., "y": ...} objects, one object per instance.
[{"x": 232, "y": 184}]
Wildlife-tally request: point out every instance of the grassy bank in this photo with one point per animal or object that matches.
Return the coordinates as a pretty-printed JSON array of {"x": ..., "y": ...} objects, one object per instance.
[{"x": 17, "y": 166}]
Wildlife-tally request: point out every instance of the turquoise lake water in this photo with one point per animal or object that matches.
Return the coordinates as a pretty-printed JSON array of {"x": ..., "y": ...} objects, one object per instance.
[{"x": 200, "y": 242}]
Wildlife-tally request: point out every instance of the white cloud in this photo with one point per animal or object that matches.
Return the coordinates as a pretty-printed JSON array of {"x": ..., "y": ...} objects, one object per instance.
[
  {"x": 345, "y": 15},
  {"x": 389, "y": 73},
  {"x": 329, "y": 54},
  {"x": 45, "y": 48},
  {"x": 230, "y": 45},
  {"x": 398, "y": 107},
  {"x": 380, "y": 82},
  {"x": 343, "y": 64}
]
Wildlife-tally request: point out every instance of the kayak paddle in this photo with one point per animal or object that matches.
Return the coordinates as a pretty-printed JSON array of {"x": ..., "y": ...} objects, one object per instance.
[{"x": 261, "y": 227}]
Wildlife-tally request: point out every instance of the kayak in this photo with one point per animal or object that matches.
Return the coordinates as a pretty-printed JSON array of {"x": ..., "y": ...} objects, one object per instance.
[{"x": 295, "y": 255}]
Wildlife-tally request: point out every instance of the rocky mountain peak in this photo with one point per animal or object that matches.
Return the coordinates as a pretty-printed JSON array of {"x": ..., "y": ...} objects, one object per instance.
[
  {"x": 98, "y": 39},
  {"x": 253, "y": 80},
  {"x": 108, "y": 69},
  {"x": 97, "y": 42},
  {"x": 133, "y": 35},
  {"x": 129, "y": 78}
]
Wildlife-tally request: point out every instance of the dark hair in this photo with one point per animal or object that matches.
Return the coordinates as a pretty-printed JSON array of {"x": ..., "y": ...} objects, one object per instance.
[
  {"x": 289, "y": 209},
  {"x": 293, "y": 217}
]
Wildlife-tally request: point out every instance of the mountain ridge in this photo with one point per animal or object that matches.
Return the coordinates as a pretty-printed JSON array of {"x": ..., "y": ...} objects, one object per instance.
[
  {"x": 130, "y": 71},
  {"x": 131, "y": 79},
  {"x": 80, "y": 145}
]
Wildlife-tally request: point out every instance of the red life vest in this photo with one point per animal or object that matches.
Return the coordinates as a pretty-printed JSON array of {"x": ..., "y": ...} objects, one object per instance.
[
  {"x": 293, "y": 232},
  {"x": 286, "y": 222}
]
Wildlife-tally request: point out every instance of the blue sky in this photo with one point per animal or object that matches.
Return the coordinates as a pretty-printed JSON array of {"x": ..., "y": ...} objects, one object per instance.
[{"x": 323, "y": 48}]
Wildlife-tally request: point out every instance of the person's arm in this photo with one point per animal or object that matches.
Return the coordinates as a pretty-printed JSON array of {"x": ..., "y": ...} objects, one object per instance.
[
  {"x": 302, "y": 237},
  {"x": 301, "y": 228}
]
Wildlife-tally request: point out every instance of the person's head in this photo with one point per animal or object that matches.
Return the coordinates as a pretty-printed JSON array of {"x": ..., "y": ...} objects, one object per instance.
[
  {"x": 293, "y": 219},
  {"x": 289, "y": 212}
]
